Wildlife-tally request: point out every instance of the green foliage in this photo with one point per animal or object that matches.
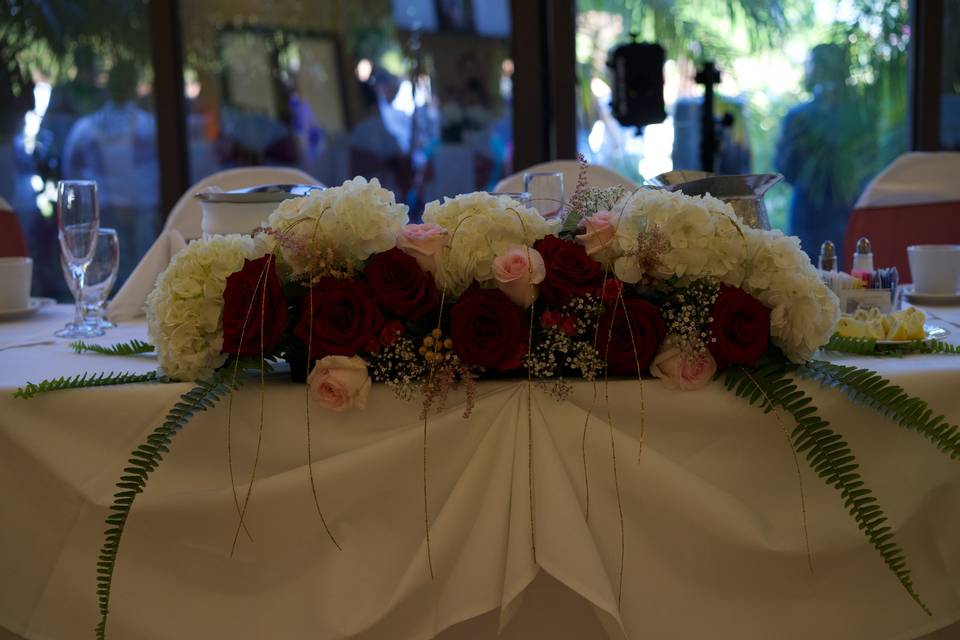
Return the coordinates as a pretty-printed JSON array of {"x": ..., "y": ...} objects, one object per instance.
[
  {"x": 143, "y": 461},
  {"x": 132, "y": 348},
  {"x": 84, "y": 380},
  {"x": 873, "y": 390},
  {"x": 870, "y": 347},
  {"x": 770, "y": 386}
]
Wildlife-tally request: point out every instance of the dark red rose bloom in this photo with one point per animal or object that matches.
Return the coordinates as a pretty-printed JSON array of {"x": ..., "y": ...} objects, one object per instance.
[
  {"x": 648, "y": 329},
  {"x": 254, "y": 309},
  {"x": 611, "y": 290},
  {"x": 488, "y": 329},
  {"x": 401, "y": 286},
  {"x": 391, "y": 333},
  {"x": 740, "y": 328},
  {"x": 570, "y": 271},
  {"x": 345, "y": 318}
]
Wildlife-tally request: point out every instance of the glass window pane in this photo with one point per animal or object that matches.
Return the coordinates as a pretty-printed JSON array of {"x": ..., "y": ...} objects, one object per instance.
[
  {"x": 76, "y": 102},
  {"x": 416, "y": 93},
  {"x": 814, "y": 90},
  {"x": 950, "y": 98}
]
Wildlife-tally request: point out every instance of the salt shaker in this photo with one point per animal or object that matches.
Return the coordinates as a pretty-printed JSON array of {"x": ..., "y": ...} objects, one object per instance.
[
  {"x": 863, "y": 256},
  {"x": 828, "y": 257}
]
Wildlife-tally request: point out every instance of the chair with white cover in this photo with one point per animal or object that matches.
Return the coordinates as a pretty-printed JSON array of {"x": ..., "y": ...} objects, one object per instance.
[
  {"x": 915, "y": 200},
  {"x": 183, "y": 225},
  {"x": 187, "y": 215},
  {"x": 597, "y": 176}
]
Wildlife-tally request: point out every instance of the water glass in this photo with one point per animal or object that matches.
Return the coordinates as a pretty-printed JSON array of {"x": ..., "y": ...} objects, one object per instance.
[
  {"x": 520, "y": 196},
  {"x": 546, "y": 193},
  {"x": 78, "y": 220},
  {"x": 99, "y": 278}
]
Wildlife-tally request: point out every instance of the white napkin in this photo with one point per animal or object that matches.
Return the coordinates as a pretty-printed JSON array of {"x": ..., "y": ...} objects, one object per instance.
[{"x": 129, "y": 301}]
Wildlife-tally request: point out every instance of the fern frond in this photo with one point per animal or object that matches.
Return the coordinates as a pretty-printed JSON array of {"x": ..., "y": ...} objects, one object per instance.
[
  {"x": 132, "y": 348},
  {"x": 142, "y": 462},
  {"x": 870, "y": 347},
  {"x": 84, "y": 380},
  {"x": 873, "y": 390},
  {"x": 827, "y": 453}
]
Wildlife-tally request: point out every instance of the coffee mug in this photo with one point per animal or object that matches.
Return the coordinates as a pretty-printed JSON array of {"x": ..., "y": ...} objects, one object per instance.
[
  {"x": 935, "y": 268},
  {"x": 15, "y": 278}
]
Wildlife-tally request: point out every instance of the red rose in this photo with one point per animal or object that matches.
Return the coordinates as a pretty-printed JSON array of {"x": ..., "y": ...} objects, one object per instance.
[
  {"x": 740, "y": 328},
  {"x": 611, "y": 291},
  {"x": 401, "y": 286},
  {"x": 648, "y": 332},
  {"x": 488, "y": 329},
  {"x": 254, "y": 308},
  {"x": 345, "y": 318},
  {"x": 570, "y": 271},
  {"x": 391, "y": 333}
]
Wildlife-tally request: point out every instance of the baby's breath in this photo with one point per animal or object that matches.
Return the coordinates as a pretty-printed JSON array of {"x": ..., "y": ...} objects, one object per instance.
[{"x": 687, "y": 316}]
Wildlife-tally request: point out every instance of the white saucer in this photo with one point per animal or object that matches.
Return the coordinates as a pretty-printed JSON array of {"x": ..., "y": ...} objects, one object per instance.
[
  {"x": 931, "y": 298},
  {"x": 35, "y": 305}
]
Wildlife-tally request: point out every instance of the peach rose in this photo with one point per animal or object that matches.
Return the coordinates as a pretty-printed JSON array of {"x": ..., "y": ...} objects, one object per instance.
[
  {"x": 600, "y": 228},
  {"x": 340, "y": 383},
  {"x": 425, "y": 242},
  {"x": 681, "y": 371},
  {"x": 517, "y": 271}
]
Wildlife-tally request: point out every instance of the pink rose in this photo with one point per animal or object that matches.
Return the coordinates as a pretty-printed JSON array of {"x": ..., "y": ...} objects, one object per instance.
[
  {"x": 682, "y": 371},
  {"x": 600, "y": 228},
  {"x": 427, "y": 243},
  {"x": 517, "y": 272},
  {"x": 340, "y": 383}
]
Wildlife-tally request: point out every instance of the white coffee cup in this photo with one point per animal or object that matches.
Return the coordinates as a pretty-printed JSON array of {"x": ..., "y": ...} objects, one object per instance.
[
  {"x": 935, "y": 268},
  {"x": 16, "y": 275}
]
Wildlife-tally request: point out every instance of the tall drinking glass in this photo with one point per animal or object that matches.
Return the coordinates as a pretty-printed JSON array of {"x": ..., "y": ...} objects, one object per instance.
[
  {"x": 78, "y": 220},
  {"x": 546, "y": 193},
  {"x": 99, "y": 277}
]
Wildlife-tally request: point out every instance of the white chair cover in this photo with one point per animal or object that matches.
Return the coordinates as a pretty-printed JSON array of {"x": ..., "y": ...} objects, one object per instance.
[
  {"x": 187, "y": 215},
  {"x": 915, "y": 178},
  {"x": 597, "y": 176}
]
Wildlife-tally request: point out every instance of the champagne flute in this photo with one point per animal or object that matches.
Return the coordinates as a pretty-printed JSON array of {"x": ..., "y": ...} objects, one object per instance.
[
  {"x": 99, "y": 278},
  {"x": 78, "y": 220}
]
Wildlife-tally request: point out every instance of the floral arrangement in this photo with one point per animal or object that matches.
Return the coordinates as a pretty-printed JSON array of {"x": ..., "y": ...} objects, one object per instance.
[{"x": 341, "y": 286}]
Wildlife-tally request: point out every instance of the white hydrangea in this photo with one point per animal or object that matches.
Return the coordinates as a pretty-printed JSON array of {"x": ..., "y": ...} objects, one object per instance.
[
  {"x": 803, "y": 310},
  {"x": 703, "y": 235},
  {"x": 356, "y": 220},
  {"x": 704, "y": 238},
  {"x": 185, "y": 308},
  {"x": 480, "y": 227}
]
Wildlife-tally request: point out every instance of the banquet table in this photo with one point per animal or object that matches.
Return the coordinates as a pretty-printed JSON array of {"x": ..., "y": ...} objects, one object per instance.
[{"x": 712, "y": 544}]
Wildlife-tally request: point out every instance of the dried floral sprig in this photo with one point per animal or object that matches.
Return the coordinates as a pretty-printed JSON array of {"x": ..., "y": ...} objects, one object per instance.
[
  {"x": 444, "y": 376},
  {"x": 565, "y": 345},
  {"x": 687, "y": 316},
  {"x": 313, "y": 262},
  {"x": 652, "y": 243},
  {"x": 587, "y": 200}
]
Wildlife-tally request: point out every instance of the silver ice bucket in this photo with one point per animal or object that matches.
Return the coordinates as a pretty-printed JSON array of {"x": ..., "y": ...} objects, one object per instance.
[{"x": 743, "y": 192}]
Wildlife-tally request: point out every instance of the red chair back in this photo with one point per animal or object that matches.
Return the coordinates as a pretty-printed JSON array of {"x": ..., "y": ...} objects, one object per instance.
[
  {"x": 892, "y": 229},
  {"x": 12, "y": 240}
]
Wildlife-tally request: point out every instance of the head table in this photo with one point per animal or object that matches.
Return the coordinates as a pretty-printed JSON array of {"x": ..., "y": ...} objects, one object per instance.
[{"x": 713, "y": 542}]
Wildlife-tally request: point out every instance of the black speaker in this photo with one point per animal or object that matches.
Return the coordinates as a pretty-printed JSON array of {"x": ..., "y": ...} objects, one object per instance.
[{"x": 637, "y": 73}]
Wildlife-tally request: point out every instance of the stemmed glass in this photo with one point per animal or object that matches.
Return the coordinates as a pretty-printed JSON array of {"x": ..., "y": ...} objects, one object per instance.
[
  {"x": 546, "y": 193},
  {"x": 78, "y": 219},
  {"x": 99, "y": 277}
]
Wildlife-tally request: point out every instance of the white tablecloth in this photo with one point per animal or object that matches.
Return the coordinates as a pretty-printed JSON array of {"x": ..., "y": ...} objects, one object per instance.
[{"x": 713, "y": 545}]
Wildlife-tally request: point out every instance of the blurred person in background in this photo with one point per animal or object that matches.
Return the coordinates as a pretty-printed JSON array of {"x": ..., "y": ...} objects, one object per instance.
[
  {"x": 814, "y": 148},
  {"x": 116, "y": 146}
]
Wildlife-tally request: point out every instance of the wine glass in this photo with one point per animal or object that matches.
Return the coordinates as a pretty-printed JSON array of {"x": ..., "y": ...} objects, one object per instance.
[
  {"x": 546, "y": 193},
  {"x": 78, "y": 219},
  {"x": 99, "y": 278}
]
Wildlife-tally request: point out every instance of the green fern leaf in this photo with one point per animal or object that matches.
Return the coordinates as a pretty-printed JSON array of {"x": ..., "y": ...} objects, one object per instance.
[
  {"x": 132, "y": 348},
  {"x": 769, "y": 386},
  {"x": 870, "y": 347},
  {"x": 873, "y": 390},
  {"x": 143, "y": 461},
  {"x": 84, "y": 380}
]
